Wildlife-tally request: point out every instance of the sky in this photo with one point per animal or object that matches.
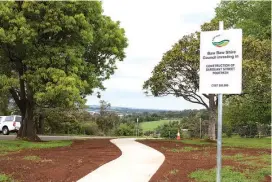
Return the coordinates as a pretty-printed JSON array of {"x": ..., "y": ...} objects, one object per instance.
[{"x": 152, "y": 27}]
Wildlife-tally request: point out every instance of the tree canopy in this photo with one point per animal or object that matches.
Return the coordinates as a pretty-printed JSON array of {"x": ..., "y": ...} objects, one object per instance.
[
  {"x": 55, "y": 53},
  {"x": 178, "y": 72}
]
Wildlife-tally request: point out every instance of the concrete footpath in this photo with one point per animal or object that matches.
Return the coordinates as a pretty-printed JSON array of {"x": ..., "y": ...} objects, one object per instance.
[{"x": 138, "y": 163}]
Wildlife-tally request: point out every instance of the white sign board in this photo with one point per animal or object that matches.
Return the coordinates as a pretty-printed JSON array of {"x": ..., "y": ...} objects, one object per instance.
[{"x": 221, "y": 62}]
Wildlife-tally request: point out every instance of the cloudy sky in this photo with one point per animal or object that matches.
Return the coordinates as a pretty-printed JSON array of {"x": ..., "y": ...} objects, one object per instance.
[{"x": 152, "y": 27}]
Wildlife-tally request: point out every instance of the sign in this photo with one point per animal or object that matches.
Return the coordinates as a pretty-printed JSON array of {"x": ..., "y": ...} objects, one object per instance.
[{"x": 221, "y": 62}]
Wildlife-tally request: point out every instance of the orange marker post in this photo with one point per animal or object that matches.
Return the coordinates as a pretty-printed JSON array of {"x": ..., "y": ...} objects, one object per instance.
[{"x": 178, "y": 135}]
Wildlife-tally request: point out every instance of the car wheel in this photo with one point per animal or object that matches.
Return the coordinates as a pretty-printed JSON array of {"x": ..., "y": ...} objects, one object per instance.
[{"x": 5, "y": 130}]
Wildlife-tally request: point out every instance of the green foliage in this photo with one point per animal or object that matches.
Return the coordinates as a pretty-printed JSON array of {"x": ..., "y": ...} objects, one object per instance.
[
  {"x": 169, "y": 130},
  {"x": 6, "y": 178},
  {"x": 125, "y": 129},
  {"x": 177, "y": 73},
  {"x": 55, "y": 53},
  {"x": 253, "y": 17},
  {"x": 32, "y": 158},
  {"x": 107, "y": 120},
  {"x": 62, "y": 121},
  {"x": 17, "y": 145},
  {"x": 90, "y": 128},
  {"x": 253, "y": 106}
]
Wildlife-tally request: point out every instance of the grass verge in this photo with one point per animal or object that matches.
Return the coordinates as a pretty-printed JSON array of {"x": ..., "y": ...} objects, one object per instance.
[{"x": 7, "y": 146}]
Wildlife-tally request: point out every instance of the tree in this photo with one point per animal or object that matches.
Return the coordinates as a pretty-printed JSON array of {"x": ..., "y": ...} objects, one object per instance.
[
  {"x": 107, "y": 120},
  {"x": 55, "y": 53},
  {"x": 255, "y": 20},
  {"x": 4, "y": 102},
  {"x": 252, "y": 16},
  {"x": 177, "y": 74},
  {"x": 253, "y": 106}
]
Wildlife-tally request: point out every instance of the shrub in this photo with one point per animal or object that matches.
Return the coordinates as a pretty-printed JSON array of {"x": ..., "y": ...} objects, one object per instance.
[
  {"x": 124, "y": 129},
  {"x": 168, "y": 130},
  {"x": 90, "y": 128},
  {"x": 148, "y": 133}
]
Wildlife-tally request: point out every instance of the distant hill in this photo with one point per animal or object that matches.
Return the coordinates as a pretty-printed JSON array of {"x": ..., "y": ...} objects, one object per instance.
[{"x": 125, "y": 110}]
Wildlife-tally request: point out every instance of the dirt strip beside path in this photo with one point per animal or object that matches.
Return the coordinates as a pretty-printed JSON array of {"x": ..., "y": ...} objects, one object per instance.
[
  {"x": 60, "y": 164},
  {"x": 178, "y": 165}
]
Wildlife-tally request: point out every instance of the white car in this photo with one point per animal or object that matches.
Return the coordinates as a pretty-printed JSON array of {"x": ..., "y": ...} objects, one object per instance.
[{"x": 10, "y": 124}]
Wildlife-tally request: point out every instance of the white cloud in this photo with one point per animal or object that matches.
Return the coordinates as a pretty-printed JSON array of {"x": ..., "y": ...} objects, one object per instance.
[{"x": 152, "y": 27}]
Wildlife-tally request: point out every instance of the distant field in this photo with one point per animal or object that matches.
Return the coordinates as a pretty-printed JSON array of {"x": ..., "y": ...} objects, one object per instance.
[{"x": 151, "y": 125}]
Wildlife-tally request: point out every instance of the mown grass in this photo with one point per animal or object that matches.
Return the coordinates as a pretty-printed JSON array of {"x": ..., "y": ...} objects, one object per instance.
[
  {"x": 32, "y": 158},
  {"x": 264, "y": 143},
  {"x": 6, "y": 178},
  {"x": 151, "y": 125},
  {"x": 7, "y": 146}
]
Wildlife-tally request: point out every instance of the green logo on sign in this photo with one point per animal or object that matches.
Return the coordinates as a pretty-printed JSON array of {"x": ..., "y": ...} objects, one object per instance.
[{"x": 220, "y": 43}]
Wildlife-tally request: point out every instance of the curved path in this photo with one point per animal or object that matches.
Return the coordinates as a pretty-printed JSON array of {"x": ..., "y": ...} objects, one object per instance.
[{"x": 137, "y": 163}]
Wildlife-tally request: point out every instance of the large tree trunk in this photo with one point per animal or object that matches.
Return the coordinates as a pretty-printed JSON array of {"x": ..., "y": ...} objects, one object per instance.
[
  {"x": 212, "y": 117},
  {"x": 27, "y": 130}
]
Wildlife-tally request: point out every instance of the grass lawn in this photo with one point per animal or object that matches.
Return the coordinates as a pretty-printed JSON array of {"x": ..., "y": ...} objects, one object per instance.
[
  {"x": 7, "y": 146},
  {"x": 236, "y": 142},
  {"x": 151, "y": 125}
]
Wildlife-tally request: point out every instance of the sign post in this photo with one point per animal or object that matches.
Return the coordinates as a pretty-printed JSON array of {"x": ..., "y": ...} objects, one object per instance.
[
  {"x": 220, "y": 71},
  {"x": 219, "y": 128}
]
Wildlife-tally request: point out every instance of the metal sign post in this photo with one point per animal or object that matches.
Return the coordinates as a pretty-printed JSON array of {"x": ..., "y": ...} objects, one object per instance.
[
  {"x": 220, "y": 71},
  {"x": 219, "y": 128}
]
